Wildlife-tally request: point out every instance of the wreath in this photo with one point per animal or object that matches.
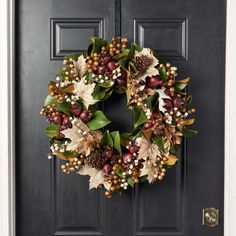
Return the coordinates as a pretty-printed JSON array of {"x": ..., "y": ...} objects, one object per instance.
[{"x": 160, "y": 106}]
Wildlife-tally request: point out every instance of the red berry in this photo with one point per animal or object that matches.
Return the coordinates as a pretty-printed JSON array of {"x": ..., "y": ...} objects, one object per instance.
[
  {"x": 57, "y": 119},
  {"x": 107, "y": 168},
  {"x": 105, "y": 58},
  {"x": 66, "y": 123},
  {"x": 102, "y": 70},
  {"x": 85, "y": 115},
  {"x": 127, "y": 157},
  {"x": 177, "y": 102},
  {"x": 76, "y": 110},
  {"x": 133, "y": 148},
  {"x": 111, "y": 65},
  {"x": 155, "y": 82},
  {"x": 109, "y": 153},
  {"x": 168, "y": 104}
]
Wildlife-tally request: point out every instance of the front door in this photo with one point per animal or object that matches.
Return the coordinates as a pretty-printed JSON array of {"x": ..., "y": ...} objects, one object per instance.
[{"x": 189, "y": 34}]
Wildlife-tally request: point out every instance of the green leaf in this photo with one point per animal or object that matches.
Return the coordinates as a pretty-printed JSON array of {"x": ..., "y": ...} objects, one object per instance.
[
  {"x": 64, "y": 107},
  {"x": 180, "y": 86},
  {"x": 99, "y": 92},
  {"x": 50, "y": 100},
  {"x": 98, "y": 121},
  {"x": 106, "y": 84},
  {"x": 159, "y": 142},
  {"x": 151, "y": 100},
  {"x": 142, "y": 178},
  {"x": 51, "y": 130},
  {"x": 189, "y": 100},
  {"x": 130, "y": 182},
  {"x": 174, "y": 148},
  {"x": 189, "y": 133},
  {"x": 98, "y": 43},
  {"x": 106, "y": 139},
  {"x": 162, "y": 73},
  {"x": 123, "y": 63},
  {"x": 61, "y": 74},
  {"x": 73, "y": 56},
  {"x": 139, "y": 116},
  {"x": 108, "y": 94},
  {"x": 69, "y": 154},
  {"x": 119, "y": 172},
  {"x": 116, "y": 140}
]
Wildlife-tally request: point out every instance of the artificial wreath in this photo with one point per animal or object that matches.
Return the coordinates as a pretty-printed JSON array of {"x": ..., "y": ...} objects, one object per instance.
[{"x": 160, "y": 105}]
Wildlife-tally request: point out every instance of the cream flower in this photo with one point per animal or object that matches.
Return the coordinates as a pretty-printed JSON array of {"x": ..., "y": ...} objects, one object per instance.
[
  {"x": 80, "y": 66},
  {"x": 82, "y": 139},
  {"x": 148, "y": 150},
  {"x": 84, "y": 92},
  {"x": 145, "y": 63}
]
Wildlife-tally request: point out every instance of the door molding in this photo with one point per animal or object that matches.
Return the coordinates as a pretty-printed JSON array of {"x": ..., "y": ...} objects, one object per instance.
[{"x": 7, "y": 107}]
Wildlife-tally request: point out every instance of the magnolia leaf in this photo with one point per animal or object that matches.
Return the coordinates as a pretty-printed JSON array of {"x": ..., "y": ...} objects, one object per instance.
[
  {"x": 189, "y": 133},
  {"x": 148, "y": 133},
  {"x": 159, "y": 142},
  {"x": 162, "y": 73},
  {"x": 151, "y": 100},
  {"x": 107, "y": 139},
  {"x": 161, "y": 98},
  {"x": 180, "y": 86},
  {"x": 64, "y": 107},
  {"x": 125, "y": 138},
  {"x": 139, "y": 116},
  {"x": 183, "y": 81},
  {"x": 142, "y": 178},
  {"x": 69, "y": 89},
  {"x": 189, "y": 121},
  {"x": 96, "y": 177},
  {"x": 119, "y": 172},
  {"x": 189, "y": 100},
  {"x": 116, "y": 140},
  {"x": 49, "y": 100},
  {"x": 172, "y": 159},
  {"x": 66, "y": 155},
  {"x": 51, "y": 130},
  {"x": 106, "y": 84},
  {"x": 98, "y": 121},
  {"x": 130, "y": 182}
]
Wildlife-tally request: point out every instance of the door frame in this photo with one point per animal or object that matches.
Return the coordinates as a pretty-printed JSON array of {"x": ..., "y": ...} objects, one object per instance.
[{"x": 7, "y": 111}]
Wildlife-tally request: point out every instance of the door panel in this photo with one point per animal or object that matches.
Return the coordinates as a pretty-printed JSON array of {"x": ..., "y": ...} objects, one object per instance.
[
  {"x": 192, "y": 37},
  {"x": 183, "y": 32}
]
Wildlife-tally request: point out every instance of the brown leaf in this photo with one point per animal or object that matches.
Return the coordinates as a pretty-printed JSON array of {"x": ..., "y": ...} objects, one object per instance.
[
  {"x": 172, "y": 159},
  {"x": 62, "y": 157},
  {"x": 189, "y": 121},
  {"x": 69, "y": 89},
  {"x": 148, "y": 133}
]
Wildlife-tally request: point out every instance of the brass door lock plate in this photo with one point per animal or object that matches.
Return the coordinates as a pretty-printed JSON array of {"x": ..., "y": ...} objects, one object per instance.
[{"x": 210, "y": 217}]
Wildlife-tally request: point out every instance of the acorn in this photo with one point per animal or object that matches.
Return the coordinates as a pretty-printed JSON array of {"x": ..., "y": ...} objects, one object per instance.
[
  {"x": 111, "y": 65},
  {"x": 155, "y": 82},
  {"x": 127, "y": 157},
  {"x": 85, "y": 115},
  {"x": 57, "y": 119},
  {"x": 75, "y": 110},
  {"x": 107, "y": 168}
]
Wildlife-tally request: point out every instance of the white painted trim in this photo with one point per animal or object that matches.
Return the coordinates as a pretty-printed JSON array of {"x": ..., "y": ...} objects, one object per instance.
[
  {"x": 7, "y": 185},
  {"x": 230, "y": 122}
]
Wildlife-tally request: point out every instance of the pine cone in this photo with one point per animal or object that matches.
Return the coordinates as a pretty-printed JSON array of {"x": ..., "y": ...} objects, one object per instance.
[
  {"x": 142, "y": 63},
  {"x": 96, "y": 158}
]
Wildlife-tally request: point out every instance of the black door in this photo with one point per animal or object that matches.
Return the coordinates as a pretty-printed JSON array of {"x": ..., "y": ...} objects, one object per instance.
[{"x": 191, "y": 35}]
